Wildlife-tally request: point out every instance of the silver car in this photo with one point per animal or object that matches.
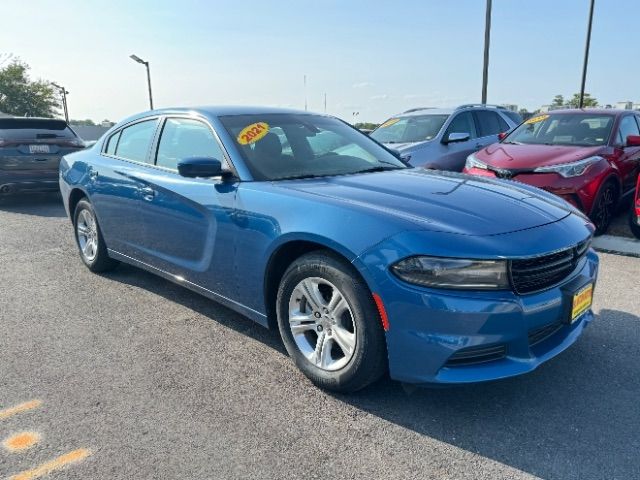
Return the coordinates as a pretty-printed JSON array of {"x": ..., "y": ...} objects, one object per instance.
[{"x": 441, "y": 138}]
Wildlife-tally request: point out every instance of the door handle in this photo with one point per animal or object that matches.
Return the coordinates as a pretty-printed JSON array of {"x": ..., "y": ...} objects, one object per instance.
[{"x": 148, "y": 193}]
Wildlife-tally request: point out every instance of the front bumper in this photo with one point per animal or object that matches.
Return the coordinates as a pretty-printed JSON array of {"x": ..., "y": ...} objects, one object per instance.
[
  {"x": 433, "y": 332},
  {"x": 429, "y": 328}
]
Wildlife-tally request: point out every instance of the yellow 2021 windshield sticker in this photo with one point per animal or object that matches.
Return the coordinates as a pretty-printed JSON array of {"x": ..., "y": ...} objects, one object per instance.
[
  {"x": 389, "y": 122},
  {"x": 252, "y": 133},
  {"x": 537, "y": 119}
]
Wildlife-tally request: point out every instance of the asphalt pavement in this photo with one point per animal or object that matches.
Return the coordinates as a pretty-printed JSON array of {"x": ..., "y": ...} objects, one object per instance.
[{"x": 126, "y": 375}]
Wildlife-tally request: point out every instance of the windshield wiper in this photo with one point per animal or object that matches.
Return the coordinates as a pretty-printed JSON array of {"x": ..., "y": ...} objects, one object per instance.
[
  {"x": 513, "y": 143},
  {"x": 377, "y": 169}
]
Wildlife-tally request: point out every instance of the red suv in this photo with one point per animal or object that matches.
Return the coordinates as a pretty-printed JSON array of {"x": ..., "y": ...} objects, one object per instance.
[{"x": 591, "y": 158}]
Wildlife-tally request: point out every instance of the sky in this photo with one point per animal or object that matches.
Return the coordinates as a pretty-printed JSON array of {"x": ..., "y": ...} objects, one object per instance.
[{"x": 373, "y": 57}]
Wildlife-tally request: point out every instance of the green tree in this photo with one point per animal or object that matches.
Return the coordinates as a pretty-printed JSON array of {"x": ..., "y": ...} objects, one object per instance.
[
  {"x": 558, "y": 101},
  {"x": 367, "y": 125},
  {"x": 589, "y": 101},
  {"x": 21, "y": 96}
]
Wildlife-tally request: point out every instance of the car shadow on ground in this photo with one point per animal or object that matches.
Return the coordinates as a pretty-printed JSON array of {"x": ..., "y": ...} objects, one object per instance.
[
  {"x": 562, "y": 421},
  {"x": 216, "y": 312},
  {"x": 37, "y": 204}
]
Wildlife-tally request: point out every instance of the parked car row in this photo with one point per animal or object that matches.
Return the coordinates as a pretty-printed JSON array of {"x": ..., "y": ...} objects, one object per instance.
[
  {"x": 590, "y": 158},
  {"x": 304, "y": 224}
]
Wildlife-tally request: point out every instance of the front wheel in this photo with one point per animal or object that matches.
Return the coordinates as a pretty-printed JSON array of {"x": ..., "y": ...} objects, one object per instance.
[
  {"x": 604, "y": 207},
  {"x": 93, "y": 250},
  {"x": 329, "y": 323}
]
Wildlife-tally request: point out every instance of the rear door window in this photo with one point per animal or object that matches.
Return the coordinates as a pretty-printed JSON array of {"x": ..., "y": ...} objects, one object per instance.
[
  {"x": 135, "y": 141},
  {"x": 112, "y": 143}
]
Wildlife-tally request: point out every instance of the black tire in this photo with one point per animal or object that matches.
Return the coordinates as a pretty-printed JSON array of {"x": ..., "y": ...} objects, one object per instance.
[
  {"x": 604, "y": 207},
  {"x": 100, "y": 262},
  {"x": 634, "y": 222},
  {"x": 368, "y": 361}
]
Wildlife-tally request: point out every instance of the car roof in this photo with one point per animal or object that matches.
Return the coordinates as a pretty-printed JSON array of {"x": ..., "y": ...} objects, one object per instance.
[
  {"x": 218, "y": 111},
  {"x": 586, "y": 111},
  {"x": 426, "y": 111}
]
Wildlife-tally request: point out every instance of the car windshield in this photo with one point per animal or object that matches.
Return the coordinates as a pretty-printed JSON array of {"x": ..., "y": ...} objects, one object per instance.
[
  {"x": 414, "y": 128},
  {"x": 280, "y": 145},
  {"x": 575, "y": 129}
]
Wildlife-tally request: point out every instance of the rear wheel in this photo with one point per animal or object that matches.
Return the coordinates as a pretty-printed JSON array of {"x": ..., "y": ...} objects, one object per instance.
[
  {"x": 604, "y": 207},
  {"x": 93, "y": 250},
  {"x": 329, "y": 323}
]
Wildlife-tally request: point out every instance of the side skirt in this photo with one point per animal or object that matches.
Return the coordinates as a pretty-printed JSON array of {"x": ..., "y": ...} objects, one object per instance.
[{"x": 254, "y": 315}]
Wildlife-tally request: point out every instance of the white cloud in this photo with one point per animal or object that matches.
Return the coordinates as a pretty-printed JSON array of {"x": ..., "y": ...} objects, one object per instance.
[
  {"x": 383, "y": 96},
  {"x": 362, "y": 85}
]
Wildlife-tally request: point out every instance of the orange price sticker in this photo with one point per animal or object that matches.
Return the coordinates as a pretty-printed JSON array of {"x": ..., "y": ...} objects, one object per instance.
[
  {"x": 390, "y": 122},
  {"x": 537, "y": 119},
  {"x": 252, "y": 133}
]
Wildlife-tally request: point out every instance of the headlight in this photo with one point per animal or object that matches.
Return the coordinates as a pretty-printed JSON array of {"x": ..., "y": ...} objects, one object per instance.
[
  {"x": 473, "y": 162},
  {"x": 453, "y": 273},
  {"x": 573, "y": 169}
]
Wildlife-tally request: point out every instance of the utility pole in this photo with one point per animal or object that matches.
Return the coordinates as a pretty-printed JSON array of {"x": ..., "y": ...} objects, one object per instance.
[
  {"x": 586, "y": 55},
  {"x": 325, "y": 102},
  {"x": 487, "y": 38},
  {"x": 305, "y": 92}
]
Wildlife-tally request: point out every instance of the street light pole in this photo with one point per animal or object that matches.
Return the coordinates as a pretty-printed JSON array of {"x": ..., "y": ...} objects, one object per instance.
[
  {"x": 64, "y": 92},
  {"x": 487, "y": 38},
  {"x": 146, "y": 64},
  {"x": 586, "y": 55}
]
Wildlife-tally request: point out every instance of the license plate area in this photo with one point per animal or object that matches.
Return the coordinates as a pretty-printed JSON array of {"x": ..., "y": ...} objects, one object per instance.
[
  {"x": 38, "y": 148},
  {"x": 581, "y": 302}
]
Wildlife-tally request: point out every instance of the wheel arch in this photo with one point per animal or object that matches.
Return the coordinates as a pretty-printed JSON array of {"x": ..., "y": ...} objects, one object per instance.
[
  {"x": 284, "y": 254},
  {"x": 75, "y": 196}
]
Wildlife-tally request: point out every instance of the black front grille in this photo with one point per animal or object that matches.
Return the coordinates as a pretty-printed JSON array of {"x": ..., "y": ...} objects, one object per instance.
[
  {"x": 471, "y": 355},
  {"x": 540, "y": 334},
  {"x": 533, "y": 274}
]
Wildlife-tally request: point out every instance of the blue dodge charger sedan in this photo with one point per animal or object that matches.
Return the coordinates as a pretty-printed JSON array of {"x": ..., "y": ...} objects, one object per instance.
[{"x": 302, "y": 223}]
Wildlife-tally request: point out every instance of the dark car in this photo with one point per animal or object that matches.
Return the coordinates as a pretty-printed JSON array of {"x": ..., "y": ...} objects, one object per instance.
[
  {"x": 30, "y": 153},
  {"x": 301, "y": 222},
  {"x": 591, "y": 158}
]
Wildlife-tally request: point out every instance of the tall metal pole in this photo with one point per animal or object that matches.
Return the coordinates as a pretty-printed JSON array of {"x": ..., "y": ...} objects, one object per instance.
[
  {"x": 487, "y": 37},
  {"x": 305, "y": 92},
  {"x": 586, "y": 55},
  {"x": 149, "y": 83},
  {"x": 325, "y": 102}
]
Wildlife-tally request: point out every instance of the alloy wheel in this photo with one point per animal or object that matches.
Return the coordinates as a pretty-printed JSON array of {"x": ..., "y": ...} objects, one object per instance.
[
  {"x": 87, "y": 232},
  {"x": 321, "y": 323}
]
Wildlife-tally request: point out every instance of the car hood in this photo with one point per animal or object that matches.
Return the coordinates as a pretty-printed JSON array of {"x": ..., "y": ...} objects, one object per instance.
[
  {"x": 405, "y": 147},
  {"x": 519, "y": 157},
  {"x": 440, "y": 201}
]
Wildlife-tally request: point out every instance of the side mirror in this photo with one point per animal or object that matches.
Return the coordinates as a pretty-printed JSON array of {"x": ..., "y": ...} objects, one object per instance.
[
  {"x": 456, "y": 137},
  {"x": 633, "y": 141},
  {"x": 502, "y": 135},
  {"x": 200, "y": 167}
]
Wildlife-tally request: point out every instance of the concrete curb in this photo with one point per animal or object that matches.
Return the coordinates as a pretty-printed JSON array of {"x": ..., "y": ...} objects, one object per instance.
[{"x": 617, "y": 245}]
